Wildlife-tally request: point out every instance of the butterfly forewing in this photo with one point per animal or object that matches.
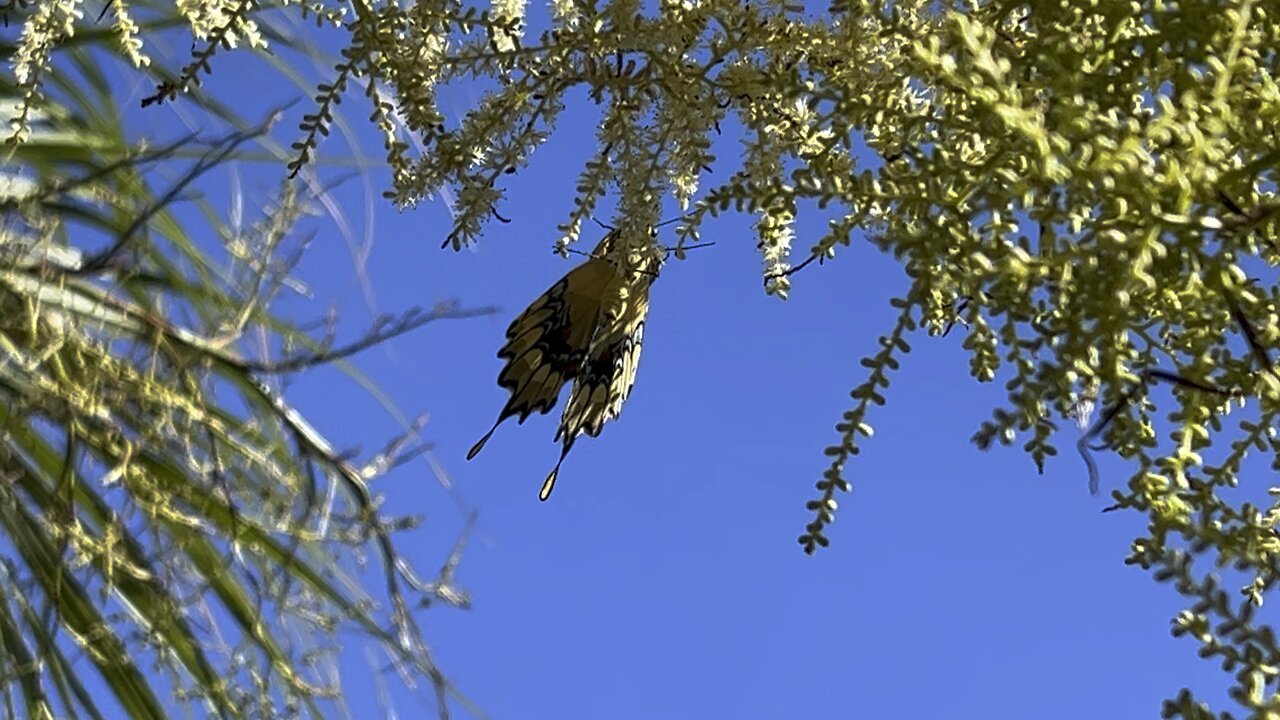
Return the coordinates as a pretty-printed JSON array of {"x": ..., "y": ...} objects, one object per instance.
[{"x": 548, "y": 343}]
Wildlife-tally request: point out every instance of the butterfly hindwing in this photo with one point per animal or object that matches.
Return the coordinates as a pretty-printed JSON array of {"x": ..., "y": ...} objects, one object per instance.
[
  {"x": 607, "y": 375},
  {"x": 606, "y": 378}
]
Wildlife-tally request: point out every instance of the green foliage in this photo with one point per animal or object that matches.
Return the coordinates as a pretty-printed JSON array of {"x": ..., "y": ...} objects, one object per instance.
[
  {"x": 1087, "y": 191},
  {"x": 173, "y": 532}
]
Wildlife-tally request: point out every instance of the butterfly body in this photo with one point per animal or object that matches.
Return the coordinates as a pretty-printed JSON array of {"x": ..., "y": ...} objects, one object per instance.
[{"x": 587, "y": 329}]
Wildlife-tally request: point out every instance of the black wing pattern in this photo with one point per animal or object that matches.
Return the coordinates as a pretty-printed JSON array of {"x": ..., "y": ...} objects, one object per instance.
[
  {"x": 548, "y": 344},
  {"x": 607, "y": 377}
]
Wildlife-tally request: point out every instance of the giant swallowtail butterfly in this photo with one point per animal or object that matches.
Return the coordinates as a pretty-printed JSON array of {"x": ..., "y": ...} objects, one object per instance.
[{"x": 587, "y": 328}]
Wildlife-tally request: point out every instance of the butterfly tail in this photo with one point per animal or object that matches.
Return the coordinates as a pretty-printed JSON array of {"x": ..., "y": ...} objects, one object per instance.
[
  {"x": 550, "y": 483},
  {"x": 475, "y": 449}
]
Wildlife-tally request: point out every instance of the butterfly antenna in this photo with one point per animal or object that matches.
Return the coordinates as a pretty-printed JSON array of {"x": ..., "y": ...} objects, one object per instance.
[{"x": 677, "y": 218}]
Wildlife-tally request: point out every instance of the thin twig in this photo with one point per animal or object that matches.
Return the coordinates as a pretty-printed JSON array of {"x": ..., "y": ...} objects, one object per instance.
[
  {"x": 385, "y": 328},
  {"x": 53, "y": 189},
  {"x": 697, "y": 246},
  {"x": 222, "y": 149},
  {"x": 1251, "y": 337},
  {"x": 793, "y": 270},
  {"x": 960, "y": 308},
  {"x": 1083, "y": 446}
]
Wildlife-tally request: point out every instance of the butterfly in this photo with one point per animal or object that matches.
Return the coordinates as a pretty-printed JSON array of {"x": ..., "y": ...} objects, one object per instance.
[{"x": 587, "y": 328}]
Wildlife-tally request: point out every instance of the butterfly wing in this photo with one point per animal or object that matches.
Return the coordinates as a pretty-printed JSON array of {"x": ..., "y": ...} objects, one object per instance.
[
  {"x": 607, "y": 375},
  {"x": 548, "y": 343}
]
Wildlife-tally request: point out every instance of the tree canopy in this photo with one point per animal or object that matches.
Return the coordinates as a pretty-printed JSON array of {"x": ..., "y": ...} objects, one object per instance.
[{"x": 1085, "y": 191}]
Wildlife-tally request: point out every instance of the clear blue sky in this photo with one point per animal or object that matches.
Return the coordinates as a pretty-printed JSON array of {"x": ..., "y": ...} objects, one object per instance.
[{"x": 663, "y": 579}]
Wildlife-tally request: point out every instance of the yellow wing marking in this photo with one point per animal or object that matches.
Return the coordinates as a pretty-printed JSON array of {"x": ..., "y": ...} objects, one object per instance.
[{"x": 606, "y": 380}]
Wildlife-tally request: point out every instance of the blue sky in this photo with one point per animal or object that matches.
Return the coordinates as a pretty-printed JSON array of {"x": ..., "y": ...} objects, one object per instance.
[{"x": 663, "y": 579}]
